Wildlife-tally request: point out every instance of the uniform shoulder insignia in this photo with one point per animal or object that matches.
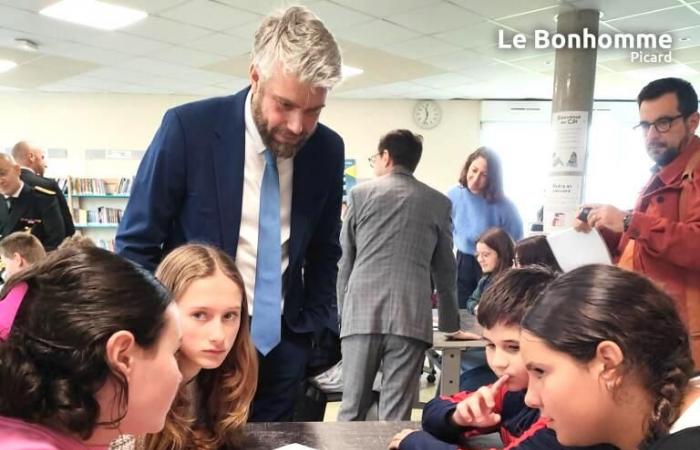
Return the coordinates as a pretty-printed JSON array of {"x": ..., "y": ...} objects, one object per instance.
[{"x": 44, "y": 190}]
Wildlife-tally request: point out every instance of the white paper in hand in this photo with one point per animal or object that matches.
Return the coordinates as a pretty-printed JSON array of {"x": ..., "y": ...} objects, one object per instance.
[
  {"x": 294, "y": 447},
  {"x": 574, "y": 249}
]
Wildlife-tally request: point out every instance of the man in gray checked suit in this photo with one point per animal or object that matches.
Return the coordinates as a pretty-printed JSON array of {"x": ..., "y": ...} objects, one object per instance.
[{"x": 397, "y": 232}]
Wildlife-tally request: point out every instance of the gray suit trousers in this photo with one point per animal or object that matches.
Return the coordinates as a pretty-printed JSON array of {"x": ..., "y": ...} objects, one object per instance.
[{"x": 401, "y": 360}]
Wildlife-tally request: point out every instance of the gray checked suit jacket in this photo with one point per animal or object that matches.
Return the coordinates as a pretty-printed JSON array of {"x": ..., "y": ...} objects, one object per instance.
[{"x": 397, "y": 232}]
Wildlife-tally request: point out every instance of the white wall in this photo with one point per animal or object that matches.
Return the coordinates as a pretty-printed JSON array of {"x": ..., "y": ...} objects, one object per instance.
[
  {"x": 78, "y": 122},
  {"x": 127, "y": 122},
  {"x": 445, "y": 147}
]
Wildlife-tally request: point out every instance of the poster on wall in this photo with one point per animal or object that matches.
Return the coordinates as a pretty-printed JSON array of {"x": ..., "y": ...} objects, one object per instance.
[
  {"x": 562, "y": 200},
  {"x": 570, "y": 129},
  {"x": 349, "y": 177},
  {"x": 563, "y": 194}
]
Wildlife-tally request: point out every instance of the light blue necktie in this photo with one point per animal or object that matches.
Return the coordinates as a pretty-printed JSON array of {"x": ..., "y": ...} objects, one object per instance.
[{"x": 268, "y": 269}]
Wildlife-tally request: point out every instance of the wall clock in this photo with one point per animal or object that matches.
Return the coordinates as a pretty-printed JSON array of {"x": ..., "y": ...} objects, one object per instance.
[{"x": 427, "y": 114}]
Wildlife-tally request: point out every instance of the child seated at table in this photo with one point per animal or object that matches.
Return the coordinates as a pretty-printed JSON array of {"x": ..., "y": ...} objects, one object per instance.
[
  {"x": 87, "y": 350},
  {"x": 449, "y": 422},
  {"x": 494, "y": 253},
  {"x": 217, "y": 357},
  {"x": 610, "y": 361},
  {"x": 18, "y": 251}
]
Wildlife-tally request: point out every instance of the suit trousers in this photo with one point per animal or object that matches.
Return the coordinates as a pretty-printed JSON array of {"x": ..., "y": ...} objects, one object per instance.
[
  {"x": 401, "y": 360},
  {"x": 468, "y": 275},
  {"x": 280, "y": 377}
]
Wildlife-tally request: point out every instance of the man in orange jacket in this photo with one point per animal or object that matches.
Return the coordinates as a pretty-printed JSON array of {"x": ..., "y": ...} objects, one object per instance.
[{"x": 661, "y": 236}]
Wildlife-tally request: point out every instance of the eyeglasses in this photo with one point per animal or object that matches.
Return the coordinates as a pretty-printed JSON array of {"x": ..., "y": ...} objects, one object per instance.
[
  {"x": 373, "y": 157},
  {"x": 662, "y": 124}
]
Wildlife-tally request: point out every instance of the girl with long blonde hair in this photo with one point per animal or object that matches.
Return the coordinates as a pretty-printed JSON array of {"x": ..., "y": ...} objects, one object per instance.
[{"x": 217, "y": 357}]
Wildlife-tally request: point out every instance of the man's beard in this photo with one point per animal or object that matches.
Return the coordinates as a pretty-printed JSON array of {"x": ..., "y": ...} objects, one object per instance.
[
  {"x": 663, "y": 159},
  {"x": 279, "y": 149},
  {"x": 667, "y": 156}
]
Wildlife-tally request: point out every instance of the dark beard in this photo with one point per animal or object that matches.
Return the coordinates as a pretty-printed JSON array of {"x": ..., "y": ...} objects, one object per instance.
[
  {"x": 280, "y": 150},
  {"x": 666, "y": 157}
]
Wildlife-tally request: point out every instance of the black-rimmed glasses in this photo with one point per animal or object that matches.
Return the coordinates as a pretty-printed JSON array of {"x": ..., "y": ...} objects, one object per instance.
[{"x": 662, "y": 124}]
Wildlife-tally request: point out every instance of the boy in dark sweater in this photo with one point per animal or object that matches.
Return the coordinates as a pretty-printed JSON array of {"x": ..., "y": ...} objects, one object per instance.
[{"x": 448, "y": 422}]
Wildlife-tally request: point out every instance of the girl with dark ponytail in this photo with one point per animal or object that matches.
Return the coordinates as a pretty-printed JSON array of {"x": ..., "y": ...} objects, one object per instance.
[
  {"x": 609, "y": 362},
  {"x": 87, "y": 350}
]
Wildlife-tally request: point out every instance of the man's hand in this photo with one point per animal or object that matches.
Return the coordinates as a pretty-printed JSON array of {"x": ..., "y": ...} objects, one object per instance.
[
  {"x": 398, "y": 437},
  {"x": 601, "y": 216},
  {"x": 477, "y": 409}
]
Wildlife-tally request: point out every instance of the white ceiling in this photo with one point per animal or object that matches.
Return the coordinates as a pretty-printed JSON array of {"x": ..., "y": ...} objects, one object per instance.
[{"x": 408, "y": 48}]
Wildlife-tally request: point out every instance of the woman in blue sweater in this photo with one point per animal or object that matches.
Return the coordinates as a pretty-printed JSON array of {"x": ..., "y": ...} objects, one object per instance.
[{"x": 478, "y": 204}]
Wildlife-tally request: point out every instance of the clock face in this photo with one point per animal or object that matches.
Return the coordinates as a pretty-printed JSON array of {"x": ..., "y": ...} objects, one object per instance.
[{"x": 427, "y": 114}]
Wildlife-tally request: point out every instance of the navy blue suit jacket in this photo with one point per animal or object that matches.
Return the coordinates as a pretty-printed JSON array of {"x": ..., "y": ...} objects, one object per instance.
[{"x": 189, "y": 187}]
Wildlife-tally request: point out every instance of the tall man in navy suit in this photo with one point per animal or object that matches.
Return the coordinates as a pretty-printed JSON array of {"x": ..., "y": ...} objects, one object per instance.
[{"x": 256, "y": 175}]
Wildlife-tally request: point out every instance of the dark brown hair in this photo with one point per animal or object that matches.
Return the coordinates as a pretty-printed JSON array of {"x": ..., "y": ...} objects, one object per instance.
[
  {"x": 686, "y": 95},
  {"x": 501, "y": 242},
  {"x": 223, "y": 394},
  {"x": 511, "y": 294},
  {"x": 54, "y": 359},
  {"x": 25, "y": 245},
  {"x": 404, "y": 147},
  {"x": 535, "y": 250},
  {"x": 597, "y": 303},
  {"x": 494, "y": 181}
]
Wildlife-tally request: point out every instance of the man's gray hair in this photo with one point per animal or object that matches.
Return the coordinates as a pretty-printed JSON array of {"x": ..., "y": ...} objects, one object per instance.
[{"x": 300, "y": 43}]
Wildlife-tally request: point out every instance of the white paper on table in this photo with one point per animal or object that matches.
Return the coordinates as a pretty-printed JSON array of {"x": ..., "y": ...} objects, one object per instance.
[
  {"x": 294, "y": 447},
  {"x": 574, "y": 249}
]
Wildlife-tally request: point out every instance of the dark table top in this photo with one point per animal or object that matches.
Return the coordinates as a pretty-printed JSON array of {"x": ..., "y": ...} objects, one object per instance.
[
  {"x": 331, "y": 435},
  {"x": 323, "y": 435}
]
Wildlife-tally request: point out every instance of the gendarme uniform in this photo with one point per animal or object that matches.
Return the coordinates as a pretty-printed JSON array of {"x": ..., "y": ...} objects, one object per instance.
[
  {"x": 33, "y": 179},
  {"x": 35, "y": 210}
]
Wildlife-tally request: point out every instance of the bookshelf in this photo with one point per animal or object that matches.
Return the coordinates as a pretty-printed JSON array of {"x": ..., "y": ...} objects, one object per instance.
[{"x": 97, "y": 205}]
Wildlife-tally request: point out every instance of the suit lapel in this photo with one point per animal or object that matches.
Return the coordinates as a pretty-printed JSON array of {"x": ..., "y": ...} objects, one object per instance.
[{"x": 229, "y": 159}]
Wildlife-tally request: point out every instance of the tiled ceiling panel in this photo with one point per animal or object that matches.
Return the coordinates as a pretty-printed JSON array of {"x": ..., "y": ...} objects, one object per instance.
[{"x": 407, "y": 49}]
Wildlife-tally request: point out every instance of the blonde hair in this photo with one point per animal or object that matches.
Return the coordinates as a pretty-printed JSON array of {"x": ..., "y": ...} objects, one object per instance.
[
  {"x": 209, "y": 412},
  {"x": 300, "y": 43}
]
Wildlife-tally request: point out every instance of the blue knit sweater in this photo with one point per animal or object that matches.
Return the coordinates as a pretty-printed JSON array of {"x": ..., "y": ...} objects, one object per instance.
[{"x": 472, "y": 215}]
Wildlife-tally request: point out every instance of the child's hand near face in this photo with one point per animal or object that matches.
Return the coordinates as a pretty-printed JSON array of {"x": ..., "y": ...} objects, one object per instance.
[{"x": 477, "y": 409}]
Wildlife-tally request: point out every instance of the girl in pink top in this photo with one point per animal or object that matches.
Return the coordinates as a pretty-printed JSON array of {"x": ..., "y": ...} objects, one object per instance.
[{"x": 87, "y": 352}]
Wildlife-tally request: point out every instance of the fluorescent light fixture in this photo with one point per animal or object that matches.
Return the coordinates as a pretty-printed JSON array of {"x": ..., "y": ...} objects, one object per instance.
[
  {"x": 349, "y": 71},
  {"x": 6, "y": 64},
  {"x": 93, "y": 13}
]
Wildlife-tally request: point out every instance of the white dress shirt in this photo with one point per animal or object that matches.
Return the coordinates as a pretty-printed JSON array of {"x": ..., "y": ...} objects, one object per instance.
[{"x": 254, "y": 167}]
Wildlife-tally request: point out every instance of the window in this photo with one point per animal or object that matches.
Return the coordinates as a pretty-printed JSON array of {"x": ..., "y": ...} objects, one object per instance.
[{"x": 617, "y": 165}]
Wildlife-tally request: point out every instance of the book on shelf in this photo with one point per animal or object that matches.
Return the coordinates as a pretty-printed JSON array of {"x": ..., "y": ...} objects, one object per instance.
[
  {"x": 101, "y": 186},
  {"x": 107, "y": 244},
  {"x": 101, "y": 215}
]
